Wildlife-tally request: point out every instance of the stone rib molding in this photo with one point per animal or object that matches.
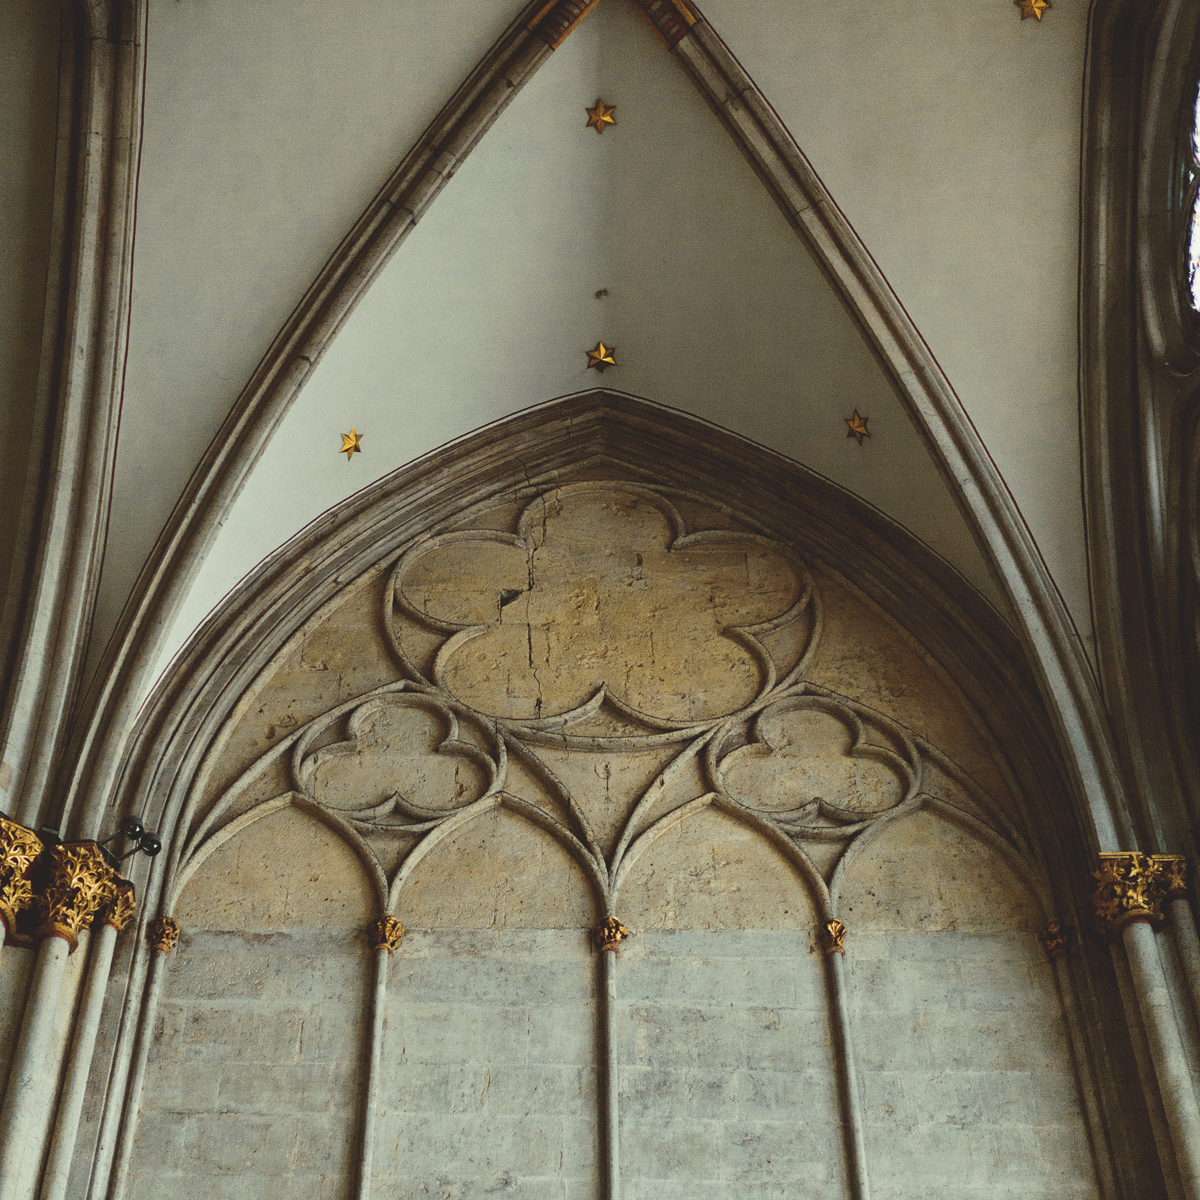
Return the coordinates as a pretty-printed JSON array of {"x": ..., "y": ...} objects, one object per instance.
[
  {"x": 1139, "y": 394},
  {"x": 364, "y": 252},
  {"x": 62, "y": 527},
  {"x": 1054, "y": 645}
]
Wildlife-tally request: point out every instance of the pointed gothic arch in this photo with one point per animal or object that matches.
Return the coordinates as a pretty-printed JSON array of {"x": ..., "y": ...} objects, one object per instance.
[
  {"x": 188, "y": 773},
  {"x": 1065, "y": 680}
]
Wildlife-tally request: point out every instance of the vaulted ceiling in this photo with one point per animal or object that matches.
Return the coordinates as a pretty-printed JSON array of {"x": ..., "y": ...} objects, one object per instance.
[{"x": 948, "y": 133}]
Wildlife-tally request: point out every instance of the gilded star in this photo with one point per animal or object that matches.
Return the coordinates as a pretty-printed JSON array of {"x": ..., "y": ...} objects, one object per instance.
[
  {"x": 602, "y": 357},
  {"x": 601, "y": 115},
  {"x": 1032, "y": 8},
  {"x": 351, "y": 444},
  {"x": 858, "y": 425}
]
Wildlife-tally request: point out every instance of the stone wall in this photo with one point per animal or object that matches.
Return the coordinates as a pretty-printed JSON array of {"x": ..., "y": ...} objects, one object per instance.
[{"x": 608, "y": 699}]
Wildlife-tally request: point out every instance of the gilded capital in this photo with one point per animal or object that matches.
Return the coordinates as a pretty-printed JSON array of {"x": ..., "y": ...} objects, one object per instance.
[
  {"x": 833, "y": 937},
  {"x": 1172, "y": 872},
  {"x": 1055, "y": 941},
  {"x": 19, "y": 850},
  {"x": 81, "y": 883},
  {"x": 163, "y": 934},
  {"x": 385, "y": 933},
  {"x": 121, "y": 905},
  {"x": 1132, "y": 887},
  {"x": 609, "y": 934}
]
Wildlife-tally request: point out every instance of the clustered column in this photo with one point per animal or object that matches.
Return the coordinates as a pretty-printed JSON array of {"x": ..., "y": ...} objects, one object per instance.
[
  {"x": 51, "y": 894},
  {"x": 1128, "y": 899}
]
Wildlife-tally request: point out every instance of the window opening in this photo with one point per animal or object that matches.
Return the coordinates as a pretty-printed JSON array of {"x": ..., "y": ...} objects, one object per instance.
[{"x": 1194, "y": 229}]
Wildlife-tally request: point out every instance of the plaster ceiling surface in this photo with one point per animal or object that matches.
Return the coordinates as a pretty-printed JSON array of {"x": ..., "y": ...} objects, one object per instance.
[
  {"x": 655, "y": 237},
  {"x": 29, "y": 69},
  {"x": 949, "y": 134},
  {"x": 269, "y": 125}
]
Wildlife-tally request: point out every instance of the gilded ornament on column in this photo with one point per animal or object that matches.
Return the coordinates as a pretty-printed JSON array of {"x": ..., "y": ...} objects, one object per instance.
[
  {"x": 81, "y": 882},
  {"x": 163, "y": 934},
  {"x": 1172, "y": 872},
  {"x": 385, "y": 932},
  {"x": 121, "y": 905},
  {"x": 1055, "y": 940},
  {"x": 1132, "y": 887},
  {"x": 609, "y": 934},
  {"x": 833, "y": 937},
  {"x": 1129, "y": 889},
  {"x": 19, "y": 850}
]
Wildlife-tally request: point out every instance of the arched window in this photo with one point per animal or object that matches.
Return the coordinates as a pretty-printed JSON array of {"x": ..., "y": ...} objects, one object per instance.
[{"x": 1193, "y": 184}]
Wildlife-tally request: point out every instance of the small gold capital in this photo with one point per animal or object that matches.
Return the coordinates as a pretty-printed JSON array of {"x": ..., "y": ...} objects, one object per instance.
[
  {"x": 163, "y": 934},
  {"x": 1055, "y": 941},
  {"x": 609, "y": 934},
  {"x": 1172, "y": 872},
  {"x": 385, "y": 932},
  {"x": 19, "y": 850},
  {"x": 122, "y": 905},
  {"x": 833, "y": 937}
]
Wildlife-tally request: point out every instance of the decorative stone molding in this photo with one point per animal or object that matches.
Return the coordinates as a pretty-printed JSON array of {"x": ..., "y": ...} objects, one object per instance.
[
  {"x": 19, "y": 850},
  {"x": 1055, "y": 941},
  {"x": 81, "y": 883},
  {"x": 833, "y": 937},
  {"x": 670, "y": 19},
  {"x": 164, "y": 934},
  {"x": 1132, "y": 886},
  {"x": 385, "y": 933},
  {"x": 555, "y": 22},
  {"x": 609, "y": 934}
]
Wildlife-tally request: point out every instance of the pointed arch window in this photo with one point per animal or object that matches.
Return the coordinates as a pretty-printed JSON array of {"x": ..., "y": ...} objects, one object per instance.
[{"x": 1193, "y": 193}]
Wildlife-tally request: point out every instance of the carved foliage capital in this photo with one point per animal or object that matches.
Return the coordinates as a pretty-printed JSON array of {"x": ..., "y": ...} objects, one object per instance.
[
  {"x": 19, "y": 850},
  {"x": 609, "y": 934},
  {"x": 1055, "y": 941},
  {"x": 1131, "y": 886},
  {"x": 81, "y": 883},
  {"x": 833, "y": 937},
  {"x": 163, "y": 934},
  {"x": 385, "y": 933},
  {"x": 1172, "y": 872},
  {"x": 121, "y": 905}
]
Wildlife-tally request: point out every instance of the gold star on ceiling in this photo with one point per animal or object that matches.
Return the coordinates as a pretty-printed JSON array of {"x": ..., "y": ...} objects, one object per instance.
[
  {"x": 858, "y": 427},
  {"x": 601, "y": 115},
  {"x": 1032, "y": 8},
  {"x": 602, "y": 357},
  {"x": 351, "y": 444}
]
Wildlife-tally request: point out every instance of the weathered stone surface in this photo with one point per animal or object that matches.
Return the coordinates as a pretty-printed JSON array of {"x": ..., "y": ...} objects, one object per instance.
[
  {"x": 728, "y": 1079},
  {"x": 430, "y": 713},
  {"x": 489, "y": 1079},
  {"x": 967, "y": 1079}
]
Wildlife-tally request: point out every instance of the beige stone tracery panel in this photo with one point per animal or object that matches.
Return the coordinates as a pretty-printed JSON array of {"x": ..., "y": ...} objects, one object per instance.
[{"x": 604, "y": 697}]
